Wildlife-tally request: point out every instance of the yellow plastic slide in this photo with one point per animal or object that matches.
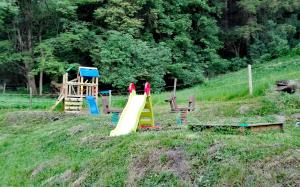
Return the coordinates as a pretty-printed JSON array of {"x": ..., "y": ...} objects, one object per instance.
[{"x": 130, "y": 116}]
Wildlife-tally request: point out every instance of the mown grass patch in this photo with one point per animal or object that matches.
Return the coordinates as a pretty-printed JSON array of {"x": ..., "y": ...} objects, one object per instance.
[
  {"x": 50, "y": 148},
  {"x": 53, "y": 153}
]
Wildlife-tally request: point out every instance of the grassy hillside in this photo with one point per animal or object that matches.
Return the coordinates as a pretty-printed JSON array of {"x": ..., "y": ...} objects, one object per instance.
[
  {"x": 235, "y": 85},
  {"x": 231, "y": 86},
  {"x": 42, "y": 148}
]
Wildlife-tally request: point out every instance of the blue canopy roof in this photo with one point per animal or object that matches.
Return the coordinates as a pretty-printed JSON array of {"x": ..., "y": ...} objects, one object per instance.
[{"x": 88, "y": 72}]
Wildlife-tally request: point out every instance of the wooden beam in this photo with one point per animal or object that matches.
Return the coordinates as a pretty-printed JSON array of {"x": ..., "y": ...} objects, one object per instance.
[
  {"x": 81, "y": 84},
  {"x": 260, "y": 127}
]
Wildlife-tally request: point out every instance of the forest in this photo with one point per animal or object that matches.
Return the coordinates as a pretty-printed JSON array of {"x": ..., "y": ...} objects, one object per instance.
[{"x": 142, "y": 40}]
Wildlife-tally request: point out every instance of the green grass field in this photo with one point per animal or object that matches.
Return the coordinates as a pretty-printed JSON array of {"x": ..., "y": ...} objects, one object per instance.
[{"x": 41, "y": 148}]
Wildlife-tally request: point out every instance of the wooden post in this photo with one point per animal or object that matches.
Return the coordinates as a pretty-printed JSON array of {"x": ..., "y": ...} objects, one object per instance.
[
  {"x": 250, "y": 79},
  {"x": 109, "y": 103},
  {"x": 65, "y": 84},
  {"x": 97, "y": 89},
  {"x": 81, "y": 87},
  {"x": 30, "y": 98},
  {"x": 4, "y": 87},
  {"x": 41, "y": 83},
  {"x": 175, "y": 85},
  {"x": 69, "y": 90}
]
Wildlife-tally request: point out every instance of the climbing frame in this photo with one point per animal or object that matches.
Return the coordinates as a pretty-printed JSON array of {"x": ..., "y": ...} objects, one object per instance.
[{"x": 74, "y": 91}]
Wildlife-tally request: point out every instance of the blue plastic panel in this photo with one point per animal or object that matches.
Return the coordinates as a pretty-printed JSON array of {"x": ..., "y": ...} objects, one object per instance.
[
  {"x": 88, "y": 72},
  {"x": 92, "y": 105}
]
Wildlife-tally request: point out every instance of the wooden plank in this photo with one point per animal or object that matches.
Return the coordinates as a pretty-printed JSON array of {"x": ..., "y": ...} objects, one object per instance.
[
  {"x": 74, "y": 80},
  {"x": 60, "y": 98},
  {"x": 72, "y": 112},
  {"x": 74, "y": 99},
  {"x": 75, "y": 96},
  {"x": 260, "y": 127},
  {"x": 73, "y": 103},
  {"x": 81, "y": 84},
  {"x": 265, "y": 128},
  {"x": 72, "y": 107}
]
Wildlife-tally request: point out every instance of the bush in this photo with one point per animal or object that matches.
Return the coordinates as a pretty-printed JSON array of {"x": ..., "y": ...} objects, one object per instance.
[
  {"x": 281, "y": 102},
  {"x": 237, "y": 63},
  {"x": 296, "y": 50}
]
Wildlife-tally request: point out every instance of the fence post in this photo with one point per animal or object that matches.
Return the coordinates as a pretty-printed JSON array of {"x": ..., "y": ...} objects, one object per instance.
[
  {"x": 4, "y": 87},
  {"x": 250, "y": 79},
  {"x": 30, "y": 98},
  {"x": 175, "y": 85}
]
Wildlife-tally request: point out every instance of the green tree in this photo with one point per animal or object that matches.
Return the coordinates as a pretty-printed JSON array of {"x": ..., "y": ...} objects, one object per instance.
[{"x": 123, "y": 59}]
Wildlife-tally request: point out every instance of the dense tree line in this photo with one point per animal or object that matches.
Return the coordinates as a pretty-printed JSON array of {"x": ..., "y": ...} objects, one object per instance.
[{"x": 138, "y": 40}]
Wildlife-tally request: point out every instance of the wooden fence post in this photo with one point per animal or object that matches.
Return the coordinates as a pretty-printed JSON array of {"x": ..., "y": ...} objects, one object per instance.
[
  {"x": 175, "y": 85},
  {"x": 4, "y": 87},
  {"x": 250, "y": 79},
  {"x": 30, "y": 98}
]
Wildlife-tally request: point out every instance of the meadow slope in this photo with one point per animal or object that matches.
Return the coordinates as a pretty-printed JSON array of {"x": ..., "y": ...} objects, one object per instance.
[{"x": 50, "y": 148}]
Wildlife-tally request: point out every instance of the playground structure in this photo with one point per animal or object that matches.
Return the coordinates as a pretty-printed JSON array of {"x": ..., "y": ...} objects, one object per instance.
[
  {"x": 182, "y": 110},
  {"x": 138, "y": 112},
  {"x": 73, "y": 91}
]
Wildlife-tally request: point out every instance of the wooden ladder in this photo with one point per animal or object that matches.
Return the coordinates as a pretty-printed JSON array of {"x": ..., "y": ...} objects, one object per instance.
[{"x": 73, "y": 105}]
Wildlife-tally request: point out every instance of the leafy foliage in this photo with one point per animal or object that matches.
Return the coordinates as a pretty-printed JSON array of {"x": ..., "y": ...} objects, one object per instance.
[
  {"x": 125, "y": 59},
  {"x": 153, "y": 40}
]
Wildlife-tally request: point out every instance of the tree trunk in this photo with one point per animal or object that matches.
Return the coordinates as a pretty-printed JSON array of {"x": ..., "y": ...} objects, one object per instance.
[
  {"x": 42, "y": 64},
  {"x": 30, "y": 77},
  {"x": 41, "y": 82},
  {"x": 24, "y": 40}
]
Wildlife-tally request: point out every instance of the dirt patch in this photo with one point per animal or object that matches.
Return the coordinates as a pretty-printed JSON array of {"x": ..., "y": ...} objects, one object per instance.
[
  {"x": 38, "y": 169},
  {"x": 94, "y": 139},
  {"x": 244, "y": 109},
  {"x": 296, "y": 116},
  {"x": 76, "y": 129},
  {"x": 214, "y": 149},
  {"x": 282, "y": 170},
  {"x": 79, "y": 181},
  {"x": 45, "y": 165},
  {"x": 16, "y": 118},
  {"x": 60, "y": 179},
  {"x": 173, "y": 160}
]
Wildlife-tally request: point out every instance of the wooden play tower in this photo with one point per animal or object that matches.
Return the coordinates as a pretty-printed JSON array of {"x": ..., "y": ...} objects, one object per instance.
[{"x": 74, "y": 91}]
